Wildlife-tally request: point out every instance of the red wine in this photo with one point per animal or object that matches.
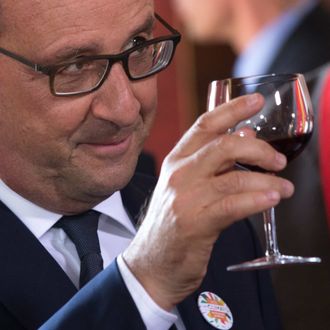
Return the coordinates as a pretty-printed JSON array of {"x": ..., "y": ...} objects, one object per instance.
[{"x": 290, "y": 147}]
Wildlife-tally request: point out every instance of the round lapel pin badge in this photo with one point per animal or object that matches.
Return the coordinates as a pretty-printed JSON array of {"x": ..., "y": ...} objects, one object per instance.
[{"x": 215, "y": 311}]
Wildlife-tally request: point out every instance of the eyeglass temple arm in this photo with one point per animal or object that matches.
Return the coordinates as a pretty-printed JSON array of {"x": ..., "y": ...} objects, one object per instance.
[
  {"x": 168, "y": 26},
  {"x": 16, "y": 57}
]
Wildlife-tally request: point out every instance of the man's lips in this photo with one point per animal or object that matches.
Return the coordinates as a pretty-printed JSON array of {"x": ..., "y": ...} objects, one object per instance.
[{"x": 108, "y": 147}]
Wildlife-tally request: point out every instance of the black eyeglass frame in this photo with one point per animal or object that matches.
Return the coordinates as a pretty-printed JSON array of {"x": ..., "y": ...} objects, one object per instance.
[{"x": 51, "y": 70}]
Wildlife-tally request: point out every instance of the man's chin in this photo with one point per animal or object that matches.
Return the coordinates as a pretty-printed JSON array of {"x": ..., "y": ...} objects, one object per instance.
[{"x": 106, "y": 183}]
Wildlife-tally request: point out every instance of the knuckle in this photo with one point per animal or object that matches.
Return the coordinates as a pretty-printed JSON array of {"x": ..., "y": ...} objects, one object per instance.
[
  {"x": 224, "y": 150},
  {"x": 238, "y": 180},
  {"x": 226, "y": 145},
  {"x": 228, "y": 207},
  {"x": 168, "y": 160},
  {"x": 202, "y": 122},
  {"x": 228, "y": 183},
  {"x": 176, "y": 177},
  {"x": 225, "y": 142}
]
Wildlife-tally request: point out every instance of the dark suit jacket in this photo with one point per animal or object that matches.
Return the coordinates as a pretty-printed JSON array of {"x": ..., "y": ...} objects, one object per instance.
[
  {"x": 33, "y": 286},
  {"x": 307, "y": 47}
]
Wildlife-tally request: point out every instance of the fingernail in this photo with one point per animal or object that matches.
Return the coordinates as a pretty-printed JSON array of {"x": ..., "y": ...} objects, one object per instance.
[
  {"x": 280, "y": 159},
  {"x": 273, "y": 196},
  {"x": 288, "y": 188}
]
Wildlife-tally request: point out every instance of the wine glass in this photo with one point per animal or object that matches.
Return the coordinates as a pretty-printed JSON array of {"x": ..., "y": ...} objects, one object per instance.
[{"x": 285, "y": 122}]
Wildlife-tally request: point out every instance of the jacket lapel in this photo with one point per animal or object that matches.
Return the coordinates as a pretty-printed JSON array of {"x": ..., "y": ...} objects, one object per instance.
[{"x": 33, "y": 286}]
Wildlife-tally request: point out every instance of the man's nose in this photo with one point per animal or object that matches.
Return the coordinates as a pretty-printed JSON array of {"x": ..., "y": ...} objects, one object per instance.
[{"x": 115, "y": 101}]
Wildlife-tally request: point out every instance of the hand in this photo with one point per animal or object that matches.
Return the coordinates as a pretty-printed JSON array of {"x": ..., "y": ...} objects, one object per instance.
[{"x": 198, "y": 195}]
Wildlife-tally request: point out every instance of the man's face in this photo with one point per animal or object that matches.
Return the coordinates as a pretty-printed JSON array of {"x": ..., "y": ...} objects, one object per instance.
[{"x": 66, "y": 152}]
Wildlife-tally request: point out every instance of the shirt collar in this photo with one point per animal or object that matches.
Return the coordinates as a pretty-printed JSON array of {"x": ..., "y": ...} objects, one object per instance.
[
  {"x": 262, "y": 50},
  {"x": 39, "y": 220}
]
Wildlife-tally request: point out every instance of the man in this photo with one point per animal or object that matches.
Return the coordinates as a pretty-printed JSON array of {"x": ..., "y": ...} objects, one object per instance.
[{"x": 73, "y": 122}]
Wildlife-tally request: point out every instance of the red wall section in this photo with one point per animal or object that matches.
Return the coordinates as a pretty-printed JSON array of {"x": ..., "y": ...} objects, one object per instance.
[{"x": 168, "y": 126}]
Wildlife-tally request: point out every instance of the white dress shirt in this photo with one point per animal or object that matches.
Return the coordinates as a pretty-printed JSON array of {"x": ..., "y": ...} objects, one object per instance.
[
  {"x": 263, "y": 49},
  {"x": 115, "y": 232}
]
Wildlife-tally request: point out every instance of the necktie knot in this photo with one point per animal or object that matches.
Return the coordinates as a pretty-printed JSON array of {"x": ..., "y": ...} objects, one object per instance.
[{"x": 82, "y": 230}]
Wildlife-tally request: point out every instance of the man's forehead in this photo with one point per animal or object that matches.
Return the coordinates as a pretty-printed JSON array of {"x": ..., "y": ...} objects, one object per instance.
[
  {"x": 43, "y": 22},
  {"x": 71, "y": 7}
]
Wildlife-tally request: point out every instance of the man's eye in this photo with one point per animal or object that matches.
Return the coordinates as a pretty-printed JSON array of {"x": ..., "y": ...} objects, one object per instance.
[
  {"x": 137, "y": 41},
  {"x": 75, "y": 68}
]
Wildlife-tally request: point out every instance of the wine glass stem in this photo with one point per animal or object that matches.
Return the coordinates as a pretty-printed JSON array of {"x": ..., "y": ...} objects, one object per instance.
[{"x": 270, "y": 231}]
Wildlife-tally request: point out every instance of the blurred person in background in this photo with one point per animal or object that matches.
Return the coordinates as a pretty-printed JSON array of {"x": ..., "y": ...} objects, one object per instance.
[
  {"x": 281, "y": 37},
  {"x": 268, "y": 36}
]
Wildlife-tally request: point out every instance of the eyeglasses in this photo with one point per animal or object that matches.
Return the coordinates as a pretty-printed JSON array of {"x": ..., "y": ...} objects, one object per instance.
[{"x": 87, "y": 73}]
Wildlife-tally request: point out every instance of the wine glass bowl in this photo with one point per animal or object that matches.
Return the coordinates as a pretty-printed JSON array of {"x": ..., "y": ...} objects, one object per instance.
[{"x": 285, "y": 122}]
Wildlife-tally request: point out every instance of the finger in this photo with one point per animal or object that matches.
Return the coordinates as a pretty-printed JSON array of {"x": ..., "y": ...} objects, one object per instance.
[
  {"x": 219, "y": 197},
  {"x": 222, "y": 153},
  {"x": 217, "y": 122},
  {"x": 236, "y": 182},
  {"x": 232, "y": 208}
]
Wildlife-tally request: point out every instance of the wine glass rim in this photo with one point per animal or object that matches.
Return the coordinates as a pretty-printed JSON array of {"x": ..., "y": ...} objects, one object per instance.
[{"x": 258, "y": 79}]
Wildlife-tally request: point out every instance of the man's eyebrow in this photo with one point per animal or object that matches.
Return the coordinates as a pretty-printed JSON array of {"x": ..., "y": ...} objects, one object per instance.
[
  {"x": 70, "y": 52},
  {"x": 146, "y": 27}
]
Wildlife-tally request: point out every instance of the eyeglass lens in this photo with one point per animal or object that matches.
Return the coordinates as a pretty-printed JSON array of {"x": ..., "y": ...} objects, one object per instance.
[{"x": 84, "y": 75}]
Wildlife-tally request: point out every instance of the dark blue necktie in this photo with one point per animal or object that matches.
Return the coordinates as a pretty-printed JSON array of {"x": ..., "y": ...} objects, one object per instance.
[{"x": 82, "y": 230}]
